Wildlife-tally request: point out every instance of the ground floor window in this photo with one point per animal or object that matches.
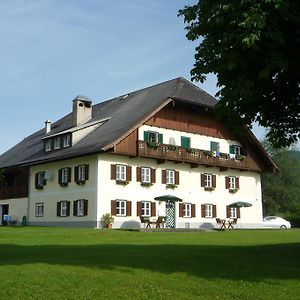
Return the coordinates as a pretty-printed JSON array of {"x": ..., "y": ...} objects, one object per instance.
[
  {"x": 121, "y": 208},
  {"x": 146, "y": 209},
  {"x": 63, "y": 208},
  {"x": 39, "y": 209},
  {"x": 80, "y": 208},
  {"x": 187, "y": 210},
  {"x": 233, "y": 212}
]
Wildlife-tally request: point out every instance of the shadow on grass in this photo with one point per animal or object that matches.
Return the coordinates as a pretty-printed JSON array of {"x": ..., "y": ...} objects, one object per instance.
[{"x": 225, "y": 262}]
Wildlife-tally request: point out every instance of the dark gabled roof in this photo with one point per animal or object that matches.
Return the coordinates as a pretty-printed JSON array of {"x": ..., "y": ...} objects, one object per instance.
[{"x": 124, "y": 113}]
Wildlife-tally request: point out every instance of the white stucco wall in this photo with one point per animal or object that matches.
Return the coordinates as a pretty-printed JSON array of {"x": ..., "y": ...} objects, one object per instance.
[
  {"x": 17, "y": 208},
  {"x": 53, "y": 193},
  {"x": 189, "y": 190}
]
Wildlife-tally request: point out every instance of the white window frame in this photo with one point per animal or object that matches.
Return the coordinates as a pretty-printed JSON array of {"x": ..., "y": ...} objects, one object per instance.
[
  {"x": 65, "y": 175},
  {"x": 121, "y": 172},
  {"x": 56, "y": 143},
  {"x": 146, "y": 208},
  {"x": 208, "y": 210},
  {"x": 39, "y": 209},
  {"x": 81, "y": 173},
  {"x": 146, "y": 174},
  {"x": 232, "y": 182},
  {"x": 48, "y": 145},
  {"x": 207, "y": 180},
  {"x": 187, "y": 210},
  {"x": 80, "y": 207},
  {"x": 63, "y": 208},
  {"x": 170, "y": 176},
  {"x": 233, "y": 212},
  {"x": 67, "y": 141},
  {"x": 121, "y": 208},
  {"x": 236, "y": 150}
]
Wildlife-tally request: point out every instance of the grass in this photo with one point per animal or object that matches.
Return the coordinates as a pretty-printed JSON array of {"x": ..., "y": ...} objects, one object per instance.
[{"x": 61, "y": 263}]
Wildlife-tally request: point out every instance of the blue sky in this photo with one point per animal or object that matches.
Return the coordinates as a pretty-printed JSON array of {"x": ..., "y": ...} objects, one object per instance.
[{"x": 53, "y": 50}]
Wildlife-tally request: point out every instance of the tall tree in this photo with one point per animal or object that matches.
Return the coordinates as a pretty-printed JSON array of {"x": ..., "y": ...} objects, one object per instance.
[{"x": 253, "y": 47}]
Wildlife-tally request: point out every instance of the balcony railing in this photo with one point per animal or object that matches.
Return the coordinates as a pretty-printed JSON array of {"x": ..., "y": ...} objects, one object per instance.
[
  {"x": 13, "y": 192},
  {"x": 193, "y": 156}
]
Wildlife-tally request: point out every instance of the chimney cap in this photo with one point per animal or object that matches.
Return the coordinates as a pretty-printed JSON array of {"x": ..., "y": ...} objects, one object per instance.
[{"x": 82, "y": 98}]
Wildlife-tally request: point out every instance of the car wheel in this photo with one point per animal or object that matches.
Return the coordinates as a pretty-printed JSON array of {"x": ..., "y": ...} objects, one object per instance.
[{"x": 283, "y": 227}]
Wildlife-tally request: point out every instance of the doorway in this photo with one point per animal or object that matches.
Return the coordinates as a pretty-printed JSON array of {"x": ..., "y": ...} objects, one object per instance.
[
  {"x": 170, "y": 215},
  {"x": 3, "y": 211}
]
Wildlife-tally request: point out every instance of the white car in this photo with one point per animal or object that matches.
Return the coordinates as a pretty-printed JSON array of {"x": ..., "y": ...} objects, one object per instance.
[{"x": 276, "y": 222}]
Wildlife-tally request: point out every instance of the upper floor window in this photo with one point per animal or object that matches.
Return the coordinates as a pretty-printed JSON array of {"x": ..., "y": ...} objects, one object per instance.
[
  {"x": 186, "y": 142},
  {"x": 81, "y": 174},
  {"x": 153, "y": 137},
  {"x": 121, "y": 173},
  {"x": 40, "y": 180},
  {"x": 146, "y": 175},
  {"x": 64, "y": 176},
  {"x": 208, "y": 181},
  {"x": 56, "y": 143},
  {"x": 232, "y": 183},
  {"x": 170, "y": 177},
  {"x": 236, "y": 151},
  {"x": 48, "y": 145},
  {"x": 66, "y": 140},
  {"x": 215, "y": 147}
]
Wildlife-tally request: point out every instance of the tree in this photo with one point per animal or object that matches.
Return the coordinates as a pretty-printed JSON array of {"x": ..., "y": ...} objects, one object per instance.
[{"x": 253, "y": 47}]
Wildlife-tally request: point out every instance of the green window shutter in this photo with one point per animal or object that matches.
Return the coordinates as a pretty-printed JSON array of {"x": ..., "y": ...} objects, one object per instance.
[
  {"x": 160, "y": 138},
  {"x": 214, "y": 146},
  {"x": 185, "y": 142},
  {"x": 231, "y": 150},
  {"x": 75, "y": 208},
  {"x": 146, "y": 136}
]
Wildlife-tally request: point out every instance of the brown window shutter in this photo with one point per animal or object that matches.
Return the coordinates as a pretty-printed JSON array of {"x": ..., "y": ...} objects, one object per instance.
[
  {"x": 138, "y": 174},
  {"x": 139, "y": 208},
  {"x": 153, "y": 175},
  {"x": 202, "y": 180},
  {"x": 203, "y": 210},
  {"x": 68, "y": 208},
  {"x": 227, "y": 182},
  {"x": 86, "y": 172},
  {"x": 113, "y": 207},
  {"x": 214, "y": 181},
  {"x": 163, "y": 176},
  {"x": 238, "y": 212},
  {"x": 58, "y": 209},
  {"x": 177, "y": 177},
  {"x": 36, "y": 184},
  {"x": 181, "y": 209},
  {"x": 75, "y": 208},
  {"x": 153, "y": 209},
  {"x": 214, "y": 211},
  {"x": 113, "y": 171},
  {"x": 227, "y": 211},
  {"x": 128, "y": 208},
  {"x": 193, "y": 210},
  {"x": 237, "y": 182},
  {"x": 128, "y": 173},
  {"x": 76, "y": 174}
]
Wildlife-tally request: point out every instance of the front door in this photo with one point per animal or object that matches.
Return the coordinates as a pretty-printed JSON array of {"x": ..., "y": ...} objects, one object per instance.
[
  {"x": 170, "y": 215},
  {"x": 4, "y": 209}
]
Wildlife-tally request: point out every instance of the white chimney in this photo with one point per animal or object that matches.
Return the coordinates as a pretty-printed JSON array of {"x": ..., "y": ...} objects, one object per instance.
[
  {"x": 82, "y": 110},
  {"x": 48, "y": 126}
]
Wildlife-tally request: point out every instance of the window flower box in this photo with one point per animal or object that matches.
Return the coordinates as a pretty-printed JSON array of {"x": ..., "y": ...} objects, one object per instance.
[
  {"x": 146, "y": 184},
  {"x": 208, "y": 188},
  {"x": 153, "y": 145},
  {"x": 171, "y": 186},
  {"x": 233, "y": 191},
  {"x": 122, "y": 182}
]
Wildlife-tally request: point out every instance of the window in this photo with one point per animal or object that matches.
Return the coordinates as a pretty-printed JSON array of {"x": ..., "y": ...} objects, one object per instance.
[
  {"x": 48, "y": 145},
  {"x": 187, "y": 210},
  {"x": 146, "y": 175},
  {"x": 56, "y": 143},
  {"x": 146, "y": 209},
  {"x": 233, "y": 212},
  {"x": 40, "y": 180},
  {"x": 63, "y": 208},
  {"x": 232, "y": 183},
  {"x": 236, "y": 150},
  {"x": 121, "y": 208},
  {"x": 121, "y": 172},
  {"x": 39, "y": 209},
  {"x": 214, "y": 146},
  {"x": 186, "y": 142},
  {"x": 80, "y": 208},
  {"x": 64, "y": 176},
  {"x": 81, "y": 174},
  {"x": 208, "y": 180},
  {"x": 170, "y": 177},
  {"x": 208, "y": 211},
  {"x": 153, "y": 137},
  {"x": 66, "y": 140}
]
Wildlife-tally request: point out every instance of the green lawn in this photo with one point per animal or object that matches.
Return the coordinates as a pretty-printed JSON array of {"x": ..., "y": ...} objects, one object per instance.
[{"x": 61, "y": 263}]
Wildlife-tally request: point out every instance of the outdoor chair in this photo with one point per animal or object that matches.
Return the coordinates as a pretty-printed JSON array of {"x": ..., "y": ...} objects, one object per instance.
[
  {"x": 145, "y": 221},
  {"x": 219, "y": 223},
  {"x": 160, "y": 221}
]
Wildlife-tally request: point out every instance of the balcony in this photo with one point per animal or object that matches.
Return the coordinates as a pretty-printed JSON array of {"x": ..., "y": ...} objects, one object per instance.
[
  {"x": 195, "y": 157},
  {"x": 13, "y": 192}
]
